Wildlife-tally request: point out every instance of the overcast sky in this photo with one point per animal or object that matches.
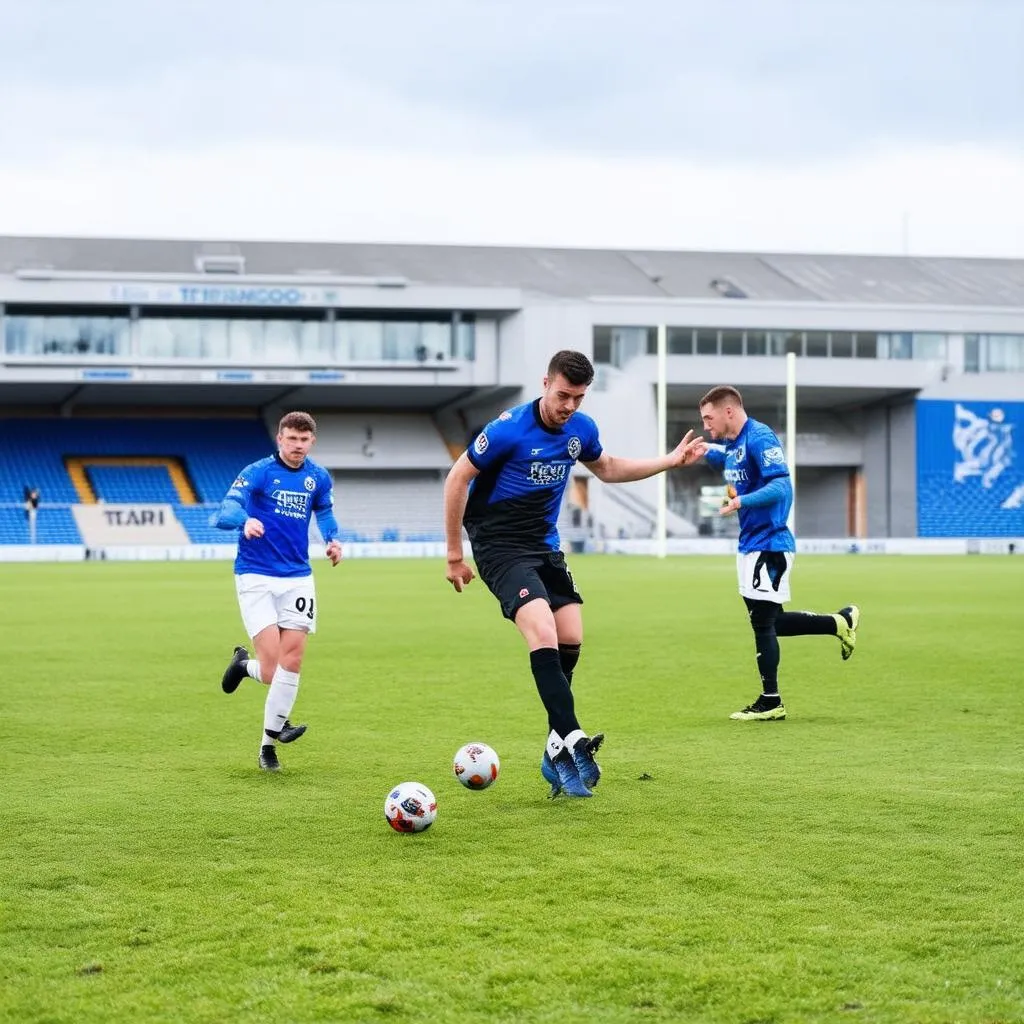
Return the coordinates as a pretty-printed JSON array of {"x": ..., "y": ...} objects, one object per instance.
[{"x": 823, "y": 125}]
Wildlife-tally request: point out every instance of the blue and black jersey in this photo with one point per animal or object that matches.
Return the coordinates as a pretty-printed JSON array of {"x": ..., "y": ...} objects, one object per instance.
[
  {"x": 524, "y": 468},
  {"x": 284, "y": 500},
  {"x": 749, "y": 463}
]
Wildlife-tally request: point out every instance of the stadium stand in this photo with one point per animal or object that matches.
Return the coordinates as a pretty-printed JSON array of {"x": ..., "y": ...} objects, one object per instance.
[
  {"x": 190, "y": 463},
  {"x": 41, "y": 452},
  {"x": 133, "y": 483}
]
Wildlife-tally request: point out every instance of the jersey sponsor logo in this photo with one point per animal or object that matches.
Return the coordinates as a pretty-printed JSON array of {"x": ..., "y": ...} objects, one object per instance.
[
  {"x": 773, "y": 456},
  {"x": 735, "y": 476},
  {"x": 309, "y": 483},
  {"x": 575, "y": 447},
  {"x": 480, "y": 444},
  {"x": 548, "y": 473},
  {"x": 536, "y": 451},
  {"x": 293, "y": 504}
]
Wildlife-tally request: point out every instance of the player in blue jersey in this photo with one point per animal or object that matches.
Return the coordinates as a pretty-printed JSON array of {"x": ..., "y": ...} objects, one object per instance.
[
  {"x": 272, "y": 502},
  {"x": 506, "y": 489},
  {"x": 761, "y": 493}
]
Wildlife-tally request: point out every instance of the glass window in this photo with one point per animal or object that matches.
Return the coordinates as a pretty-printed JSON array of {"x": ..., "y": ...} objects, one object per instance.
[
  {"x": 817, "y": 344},
  {"x": 436, "y": 341},
  {"x": 777, "y": 342},
  {"x": 628, "y": 342},
  {"x": 316, "y": 341},
  {"x": 842, "y": 345},
  {"x": 216, "y": 342},
  {"x": 1004, "y": 352},
  {"x": 732, "y": 343},
  {"x": 365, "y": 339},
  {"x": 401, "y": 340},
  {"x": 170, "y": 338},
  {"x": 281, "y": 340},
  {"x": 67, "y": 335},
  {"x": 465, "y": 340},
  {"x": 246, "y": 339},
  {"x": 603, "y": 345},
  {"x": 866, "y": 345},
  {"x": 930, "y": 346},
  {"x": 898, "y": 345},
  {"x": 707, "y": 341},
  {"x": 972, "y": 353},
  {"x": 679, "y": 341},
  {"x": 757, "y": 343}
]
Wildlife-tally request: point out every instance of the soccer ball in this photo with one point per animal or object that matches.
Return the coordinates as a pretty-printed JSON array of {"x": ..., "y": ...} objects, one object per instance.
[
  {"x": 476, "y": 765},
  {"x": 410, "y": 807}
]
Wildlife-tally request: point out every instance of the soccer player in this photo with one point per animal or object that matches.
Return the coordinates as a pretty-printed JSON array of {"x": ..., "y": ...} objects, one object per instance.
[
  {"x": 272, "y": 502},
  {"x": 761, "y": 493},
  {"x": 506, "y": 489}
]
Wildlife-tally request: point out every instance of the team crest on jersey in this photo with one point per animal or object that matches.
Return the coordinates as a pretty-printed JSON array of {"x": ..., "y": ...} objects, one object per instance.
[
  {"x": 575, "y": 447},
  {"x": 309, "y": 483},
  {"x": 773, "y": 456},
  {"x": 506, "y": 415},
  {"x": 480, "y": 444},
  {"x": 739, "y": 454}
]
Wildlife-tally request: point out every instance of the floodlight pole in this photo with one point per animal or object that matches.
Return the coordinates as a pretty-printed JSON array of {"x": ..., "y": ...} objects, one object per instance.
[
  {"x": 661, "y": 532},
  {"x": 791, "y": 429}
]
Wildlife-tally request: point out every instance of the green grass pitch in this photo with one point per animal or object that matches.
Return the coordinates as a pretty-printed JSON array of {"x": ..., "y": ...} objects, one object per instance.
[{"x": 861, "y": 861}]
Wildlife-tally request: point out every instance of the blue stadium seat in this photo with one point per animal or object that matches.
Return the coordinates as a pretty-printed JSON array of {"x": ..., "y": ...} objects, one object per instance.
[{"x": 133, "y": 483}]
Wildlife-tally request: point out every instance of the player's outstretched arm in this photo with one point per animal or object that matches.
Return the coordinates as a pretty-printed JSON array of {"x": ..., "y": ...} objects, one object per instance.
[
  {"x": 613, "y": 469},
  {"x": 456, "y": 494},
  {"x": 230, "y": 516}
]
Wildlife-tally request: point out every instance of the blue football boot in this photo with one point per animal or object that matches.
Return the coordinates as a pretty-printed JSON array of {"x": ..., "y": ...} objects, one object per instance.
[
  {"x": 569, "y": 781},
  {"x": 583, "y": 756}
]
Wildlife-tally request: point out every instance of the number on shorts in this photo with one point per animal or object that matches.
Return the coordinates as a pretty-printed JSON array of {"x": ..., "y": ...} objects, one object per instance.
[{"x": 300, "y": 606}]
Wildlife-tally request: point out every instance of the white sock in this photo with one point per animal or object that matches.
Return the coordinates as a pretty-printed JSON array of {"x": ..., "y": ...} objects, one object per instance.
[
  {"x": 284, "y": 688},
  {"x": 252, "y": 666},
  {"x": 555, "y": 745},
  {"x": 574, "y": 737}
]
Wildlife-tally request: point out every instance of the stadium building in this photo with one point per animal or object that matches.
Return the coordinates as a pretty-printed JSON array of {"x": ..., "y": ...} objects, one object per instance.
[{"x": 137, "y": 376}]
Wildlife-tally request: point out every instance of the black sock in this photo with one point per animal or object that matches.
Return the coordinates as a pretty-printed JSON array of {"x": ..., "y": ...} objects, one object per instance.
[
  {"x": 568, "y": 655},
  {"x": 554, "y": 690},
  {"x": 804, "y": 624},
  {"x": 762, "y": 619}
]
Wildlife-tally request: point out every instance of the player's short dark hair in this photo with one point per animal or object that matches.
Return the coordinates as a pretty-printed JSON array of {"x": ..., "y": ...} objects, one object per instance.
[
  {"x": 300, "y": 421},
  {"x": 575, "y": 367},
  {"x": 722, "y": 394}
]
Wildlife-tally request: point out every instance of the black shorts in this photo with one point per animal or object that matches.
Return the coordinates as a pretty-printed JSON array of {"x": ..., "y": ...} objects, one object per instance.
[{"x": 518, "y": 579}]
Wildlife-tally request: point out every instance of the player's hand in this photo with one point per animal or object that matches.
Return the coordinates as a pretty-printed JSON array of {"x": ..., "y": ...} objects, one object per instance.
[
  {"x": 689, "y": 450},
  {"x": 732, "y": 505},
  {"x": 252, "y": 528},
  {"x": 333, "y": 551},
  {"x": 459, "y": 574}
]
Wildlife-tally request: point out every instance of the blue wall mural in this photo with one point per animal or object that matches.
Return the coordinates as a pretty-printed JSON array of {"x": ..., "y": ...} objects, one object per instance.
[{"x": 970, "y": 473}]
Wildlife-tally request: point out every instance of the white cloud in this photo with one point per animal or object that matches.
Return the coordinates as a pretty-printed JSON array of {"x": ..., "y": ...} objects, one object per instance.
[{"x": 958, "y": 200}]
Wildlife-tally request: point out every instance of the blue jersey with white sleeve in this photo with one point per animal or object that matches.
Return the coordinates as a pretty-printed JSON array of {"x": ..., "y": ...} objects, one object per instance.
[
  {"x": 524, "y": 466},
  {"x": 754, "y": 466},
  {"x": 283, "y": 500}
]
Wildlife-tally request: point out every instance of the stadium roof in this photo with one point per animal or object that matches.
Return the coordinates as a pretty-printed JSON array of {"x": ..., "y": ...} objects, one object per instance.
[{"x": 561, "y": 273}]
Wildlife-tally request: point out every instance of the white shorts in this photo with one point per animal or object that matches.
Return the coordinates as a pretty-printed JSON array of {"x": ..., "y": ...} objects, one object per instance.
[
  {"x": 764, "y": 575},
  {"x": 288, "y": 602}
]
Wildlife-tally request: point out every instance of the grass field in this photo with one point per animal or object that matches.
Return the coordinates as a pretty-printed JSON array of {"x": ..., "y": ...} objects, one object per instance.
[{"x": 861, "y": 861}]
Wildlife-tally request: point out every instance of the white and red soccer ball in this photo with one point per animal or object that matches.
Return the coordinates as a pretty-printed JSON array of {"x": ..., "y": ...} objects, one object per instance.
[
  {"x": 476, "y": 765},
  {"x": 410, "y": 807}
]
